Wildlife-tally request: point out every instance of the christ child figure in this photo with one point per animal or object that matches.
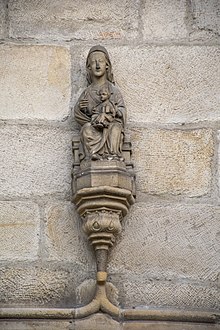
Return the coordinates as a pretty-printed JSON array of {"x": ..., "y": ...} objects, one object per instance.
[{"x": 105, "y": 112}]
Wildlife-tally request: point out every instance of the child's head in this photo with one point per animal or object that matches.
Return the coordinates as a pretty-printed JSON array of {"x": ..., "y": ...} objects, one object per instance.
[{"x": 104, "y": 94}]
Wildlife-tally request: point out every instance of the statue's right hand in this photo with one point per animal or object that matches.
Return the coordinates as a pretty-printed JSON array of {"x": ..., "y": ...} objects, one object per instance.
[{"x": 83, "y": 104}]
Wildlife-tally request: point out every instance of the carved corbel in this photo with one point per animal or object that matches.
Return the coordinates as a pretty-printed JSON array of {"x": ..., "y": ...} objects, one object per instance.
[{"x": 103, "y": 178}]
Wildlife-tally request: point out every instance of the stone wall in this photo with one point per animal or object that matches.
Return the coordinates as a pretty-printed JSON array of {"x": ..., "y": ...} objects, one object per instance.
[{"x": 166, "y": 61}]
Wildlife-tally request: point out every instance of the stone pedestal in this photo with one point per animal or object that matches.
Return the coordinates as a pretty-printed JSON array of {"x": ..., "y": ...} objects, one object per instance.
[
  {"x": 103, "y": 193},
  {"x": 103, "y": 196}
]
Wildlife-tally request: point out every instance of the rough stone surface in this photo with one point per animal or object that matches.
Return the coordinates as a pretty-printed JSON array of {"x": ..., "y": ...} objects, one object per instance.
[
  {"x": 100, "y": 322},
  {"x": 173, "y": 161},
  {"x": 35, "y": 325},
  {"x": 156, "y": 293},
  {"x": 2, "y": 19},
  {"x": 97, "y": 322},
  {"x": 39, "y": 285},
  {"x": 168, "y": 326},
  {"x": 64, "y": 236},
  {"x": 168, "y": 252},
  {"x": 35, "y": 161},
  {"x": 34, "y": 82},
  {"x": 168, "y": 256},
  {"x": 80, "y": 20},
  {"x": 206, "y": 16},
  {"x": 164, "y": 20},
  {"x": 19, "y": 231},
  {"x": 219, "y": 162},
  {"x": 170, "y": 241},
  {"x": 173, "y": 84}
]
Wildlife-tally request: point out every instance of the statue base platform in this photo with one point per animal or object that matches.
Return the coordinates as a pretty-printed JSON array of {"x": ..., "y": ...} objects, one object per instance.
[
  {"x": 103, "y": 185},
  {"x": 103, "y": 173}
]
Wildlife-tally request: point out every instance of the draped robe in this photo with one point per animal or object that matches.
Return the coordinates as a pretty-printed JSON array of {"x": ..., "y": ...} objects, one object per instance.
[{"x": 108, "y": 140}]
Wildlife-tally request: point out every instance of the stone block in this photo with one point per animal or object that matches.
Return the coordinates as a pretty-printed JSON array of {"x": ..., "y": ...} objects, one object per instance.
[
  {"x": 100, "y": 322},
  {"x": 164, "y": 20},
  {"x": 164, "y": 294},
  {"x": 35, "y": 161},
  {"x": 173, "y": 84},
  {"x": 40, "y": 285},
  {"x": 79, "y": 20},
  {"x": 65, "y": 240},
  {"x": 173, "y": 241},
  {"x": 97, "y": 322},
  {"x": 206, "y": 16},
  {"x": 168, "y": 256},
  {"x": 173, "y": 162},
  {"x": 20, "y": 230},
  {"x": 35, "y": 82},
  {"x": 35, "y": 325},
  {"x": 3, "y": 27},
  {"x": 219, "y": 162},
  {"x": 169, "y": 326}
]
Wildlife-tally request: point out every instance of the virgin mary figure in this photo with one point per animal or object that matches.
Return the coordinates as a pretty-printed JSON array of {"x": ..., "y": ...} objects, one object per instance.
[{"x": 99, "y": 141}]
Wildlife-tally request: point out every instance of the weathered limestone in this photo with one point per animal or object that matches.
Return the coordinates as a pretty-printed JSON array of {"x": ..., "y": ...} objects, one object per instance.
[
  {"x": 80, "y": 20},
  {"x": 168, "y": 326},
  {"x": 167, "y": 256},
  {"x": 183, "y": 237},
  {"x": 97, "y": 322},
  {"x": 173, "y": 162},
  {"x": 19, "y": 231},
  {"x": 173, "y": 84},
  {"x": 38, "y": 285},
  {"x": 168, "y": 253},
  {"x": 100, "y": 322},
  {"x": 2, "y": 19},
  {"x": 35, "y": 325},
  {"x": 170, "y": 294},
  {"x": 35, "y": 161},
  {"x": 219, "y": 163},
  {"x": 65, "y": 240},
  {"x": 35, "y": 82},
  {"x": 206, "y": 16},
  {"x": 159, "y": 23}
]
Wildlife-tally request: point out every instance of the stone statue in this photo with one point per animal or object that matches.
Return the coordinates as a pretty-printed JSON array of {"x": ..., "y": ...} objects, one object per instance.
[
  {"x": 100, "y": 111},
  {"x": 103, "y": 177}
]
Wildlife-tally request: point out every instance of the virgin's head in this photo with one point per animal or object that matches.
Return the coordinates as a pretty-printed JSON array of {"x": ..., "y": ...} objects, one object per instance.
[{"x": 98, "y": 64}]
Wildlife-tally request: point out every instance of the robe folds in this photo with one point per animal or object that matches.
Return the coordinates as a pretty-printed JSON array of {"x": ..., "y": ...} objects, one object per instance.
[{"x": 93, "y": 140}]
